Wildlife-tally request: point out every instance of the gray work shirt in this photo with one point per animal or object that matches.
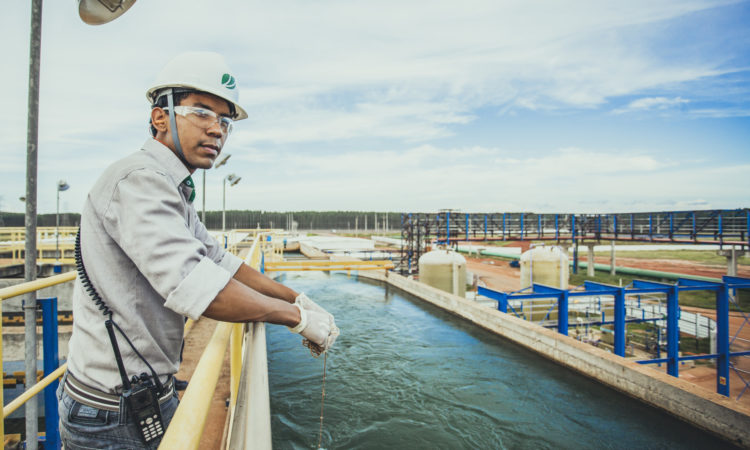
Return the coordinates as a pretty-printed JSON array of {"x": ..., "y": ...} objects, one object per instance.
[{"x": 151, "y": 260}]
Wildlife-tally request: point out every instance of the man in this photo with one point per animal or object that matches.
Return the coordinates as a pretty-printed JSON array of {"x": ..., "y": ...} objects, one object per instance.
[{"x": 147, "y": 262}]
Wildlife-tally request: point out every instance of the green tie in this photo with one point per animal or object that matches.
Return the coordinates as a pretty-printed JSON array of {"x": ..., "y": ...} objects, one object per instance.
[{"x": 189, "y": 183}]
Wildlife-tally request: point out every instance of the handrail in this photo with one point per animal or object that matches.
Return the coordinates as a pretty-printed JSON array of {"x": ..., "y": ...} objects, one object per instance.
[
  {"x": 31, "y": 286},
  {"x": 33, "y": 390},
  {"x": 24, "y": 288},
  {"x": 14, "y": 291},
  {"x": 186, "y": 427}
]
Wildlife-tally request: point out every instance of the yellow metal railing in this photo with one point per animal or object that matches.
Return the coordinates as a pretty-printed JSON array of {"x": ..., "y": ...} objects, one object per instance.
[
  {"x": 14, "y": 291},
  {"x": 12, "y": 244},
  {"x": 325, "y": 265},
  {"x": 186, "y": 428}
]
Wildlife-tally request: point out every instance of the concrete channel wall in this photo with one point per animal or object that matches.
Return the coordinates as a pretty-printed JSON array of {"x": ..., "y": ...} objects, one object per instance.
[{"x": 707, "y": 410}]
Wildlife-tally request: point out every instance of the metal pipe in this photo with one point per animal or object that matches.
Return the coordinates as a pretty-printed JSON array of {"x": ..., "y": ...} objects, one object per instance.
[
  {"x": 32, "y": 391},
  {"x": 604, "y": 267},
  {"x": 32, "y": 135},
  {"x": 32, "y": 286}
]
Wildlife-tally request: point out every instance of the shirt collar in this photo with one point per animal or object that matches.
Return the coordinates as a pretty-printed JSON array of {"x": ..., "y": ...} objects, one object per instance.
[
  {"x": 167, "y": 159},
  {"x": 172, "y": 165}
]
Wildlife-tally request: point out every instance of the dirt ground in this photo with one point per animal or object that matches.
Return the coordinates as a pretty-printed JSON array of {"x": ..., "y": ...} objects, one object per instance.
[
  {"x": 195, "y": 343},
  {"x": 497, "y": 274}
]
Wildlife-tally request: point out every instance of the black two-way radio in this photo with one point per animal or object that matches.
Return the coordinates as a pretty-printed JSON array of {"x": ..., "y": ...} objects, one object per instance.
[{"x": 140, "y": 394}]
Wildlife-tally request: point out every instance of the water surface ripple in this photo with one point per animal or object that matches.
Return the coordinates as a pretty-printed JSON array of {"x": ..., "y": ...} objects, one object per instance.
[{"x": 406, "y": 375}]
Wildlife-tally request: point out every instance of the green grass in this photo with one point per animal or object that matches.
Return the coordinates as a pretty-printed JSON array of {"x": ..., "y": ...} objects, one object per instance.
[{"x": 699, "y": 256}]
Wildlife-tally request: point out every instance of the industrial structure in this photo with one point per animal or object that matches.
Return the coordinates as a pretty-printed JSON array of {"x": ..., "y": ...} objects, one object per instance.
[{"x": 727, "y": 228}]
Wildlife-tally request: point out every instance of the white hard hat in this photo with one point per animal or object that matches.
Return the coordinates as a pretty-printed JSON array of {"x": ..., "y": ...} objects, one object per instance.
[{"x": 200, "y": 71}]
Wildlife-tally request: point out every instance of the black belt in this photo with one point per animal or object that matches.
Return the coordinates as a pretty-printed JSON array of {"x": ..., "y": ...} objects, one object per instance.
[{"x": 95, "y": 398}]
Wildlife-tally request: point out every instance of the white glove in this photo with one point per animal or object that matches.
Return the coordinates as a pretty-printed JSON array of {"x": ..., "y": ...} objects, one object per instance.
[
  {"x": 312, "y": 309},
  {"x": 304, "y": 301},
  {"x": 316, "y": 327}
]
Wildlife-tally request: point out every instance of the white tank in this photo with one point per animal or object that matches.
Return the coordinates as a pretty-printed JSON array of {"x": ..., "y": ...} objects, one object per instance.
[
  {"x": 445, "y": 270},
  {"x": 546, "y": 265}
]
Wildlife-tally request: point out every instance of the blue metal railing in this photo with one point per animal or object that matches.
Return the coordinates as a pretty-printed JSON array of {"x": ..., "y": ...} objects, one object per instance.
[{"x": 672, "y": 292}]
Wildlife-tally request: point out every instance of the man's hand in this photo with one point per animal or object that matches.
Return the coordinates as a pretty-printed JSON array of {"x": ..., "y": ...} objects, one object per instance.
[{"x": 316, "y": 324}]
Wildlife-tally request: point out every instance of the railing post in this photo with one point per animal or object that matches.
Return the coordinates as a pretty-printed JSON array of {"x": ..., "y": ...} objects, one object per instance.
[
  {"x": 51, "y": 363},
  {"x": 448, "y": 228},
  {"x": 467, "y": 227},
  {"x": 722, "y": 340},
  {"x": 539, "y": 224},
  {"x": 562, "y": 313},
  {"x": 620, "y": 322},
  {"x": 673, "y": 332}
]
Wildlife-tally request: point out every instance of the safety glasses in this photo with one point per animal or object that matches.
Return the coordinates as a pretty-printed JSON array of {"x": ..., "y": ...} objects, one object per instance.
[{"x": 204, "y": 118}]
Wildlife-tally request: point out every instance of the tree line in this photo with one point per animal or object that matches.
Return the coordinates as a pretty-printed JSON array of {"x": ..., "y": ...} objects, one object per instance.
[{"x": 342, "y": 221}]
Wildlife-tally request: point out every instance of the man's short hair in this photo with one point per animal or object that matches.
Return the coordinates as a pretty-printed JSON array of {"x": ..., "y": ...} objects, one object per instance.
[{"x": 161, "y": 102}]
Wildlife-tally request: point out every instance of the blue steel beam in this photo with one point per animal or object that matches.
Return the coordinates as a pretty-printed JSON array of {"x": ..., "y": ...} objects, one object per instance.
[
  {"x": 51, "y": 363},
  {"x": 619, "y": 294},
  {"x": 501, "y": 297},
  {"x": 562, "y": 305}
]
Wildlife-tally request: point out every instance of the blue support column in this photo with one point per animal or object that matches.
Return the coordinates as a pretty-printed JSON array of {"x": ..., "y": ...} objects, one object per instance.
[
  {"x": 695, "y": 236},
  {"x": 650, "y": 227},
  {"x": 748, "y": 229},
  {"x": 521, "y": 226},
  {"x": 504, "y": 225},
  {"x": 501, "y": 297},
  {"x": 557, "y": 227},
  {"x": 573, "y": 228},
  {"x": 614, "y": 225},
  {"x": 721, "y": 230},
  {"x": 448, "y": 228},
  {"x": 673, "y": 333},
  {"x": 671, "y": 225},
  {"x": 562, "y": 313},
  {"x": 51, "y": 363},
  {"x": 467, "y": 226},
  {"x": 620, "y": 322},
  {"x": 722, "y": 340},
  {"x": 539, "y": 225},
  {"x": 573, "y": 241},
  {"x": 632, "y": 226},
  {"x": 485, "y": 227}
]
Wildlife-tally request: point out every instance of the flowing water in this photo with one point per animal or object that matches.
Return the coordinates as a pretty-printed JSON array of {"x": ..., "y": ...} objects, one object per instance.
[{"x": 406, "y": 375}]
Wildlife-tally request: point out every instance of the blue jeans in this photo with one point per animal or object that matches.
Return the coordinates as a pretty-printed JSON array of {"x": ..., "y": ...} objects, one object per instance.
[{"x": 84, "y": 427}]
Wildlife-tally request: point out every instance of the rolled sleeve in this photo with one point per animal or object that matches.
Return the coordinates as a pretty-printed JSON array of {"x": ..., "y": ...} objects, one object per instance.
[
  {"x": 230, "y": 263},
  {"x": 198, "y": 289}
]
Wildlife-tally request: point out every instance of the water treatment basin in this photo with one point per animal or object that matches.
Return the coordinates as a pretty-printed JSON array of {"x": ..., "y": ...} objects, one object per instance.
[{"x": 406, "y": 375}]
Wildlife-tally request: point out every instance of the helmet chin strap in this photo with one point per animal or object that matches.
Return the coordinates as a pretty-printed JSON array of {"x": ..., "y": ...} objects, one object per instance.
[{"x": 175, "y": 136}]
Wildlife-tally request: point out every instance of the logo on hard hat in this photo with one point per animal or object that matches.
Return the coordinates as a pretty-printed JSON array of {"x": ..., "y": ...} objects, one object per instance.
[{"x": 228, "y": 81}]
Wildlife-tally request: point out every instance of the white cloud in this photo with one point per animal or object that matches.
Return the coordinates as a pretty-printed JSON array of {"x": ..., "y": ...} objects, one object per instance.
[
  {"x": 329, "y": 80},
  {"x": 652, "y": 103}
]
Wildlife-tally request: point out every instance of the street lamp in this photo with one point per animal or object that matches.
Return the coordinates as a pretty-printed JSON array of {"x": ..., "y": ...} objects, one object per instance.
[
  {"x": 221, "y": 162},
  {"x": 232, "y": 179},
  {"x": 98, "y": 12},
  {"x": 62, "y": 185}
]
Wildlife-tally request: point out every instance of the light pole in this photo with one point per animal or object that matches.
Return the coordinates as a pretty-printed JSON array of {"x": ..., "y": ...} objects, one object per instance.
[
  {"x": 62, "y": 185},
  {"x": 93, "y": 12},
  {"x": 232, "y": 179},
  {"x": 221, "y": 162}
]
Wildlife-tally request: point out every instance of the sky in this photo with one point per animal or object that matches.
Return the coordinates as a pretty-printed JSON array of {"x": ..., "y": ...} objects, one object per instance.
[{"x": 480, "y": 106}]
